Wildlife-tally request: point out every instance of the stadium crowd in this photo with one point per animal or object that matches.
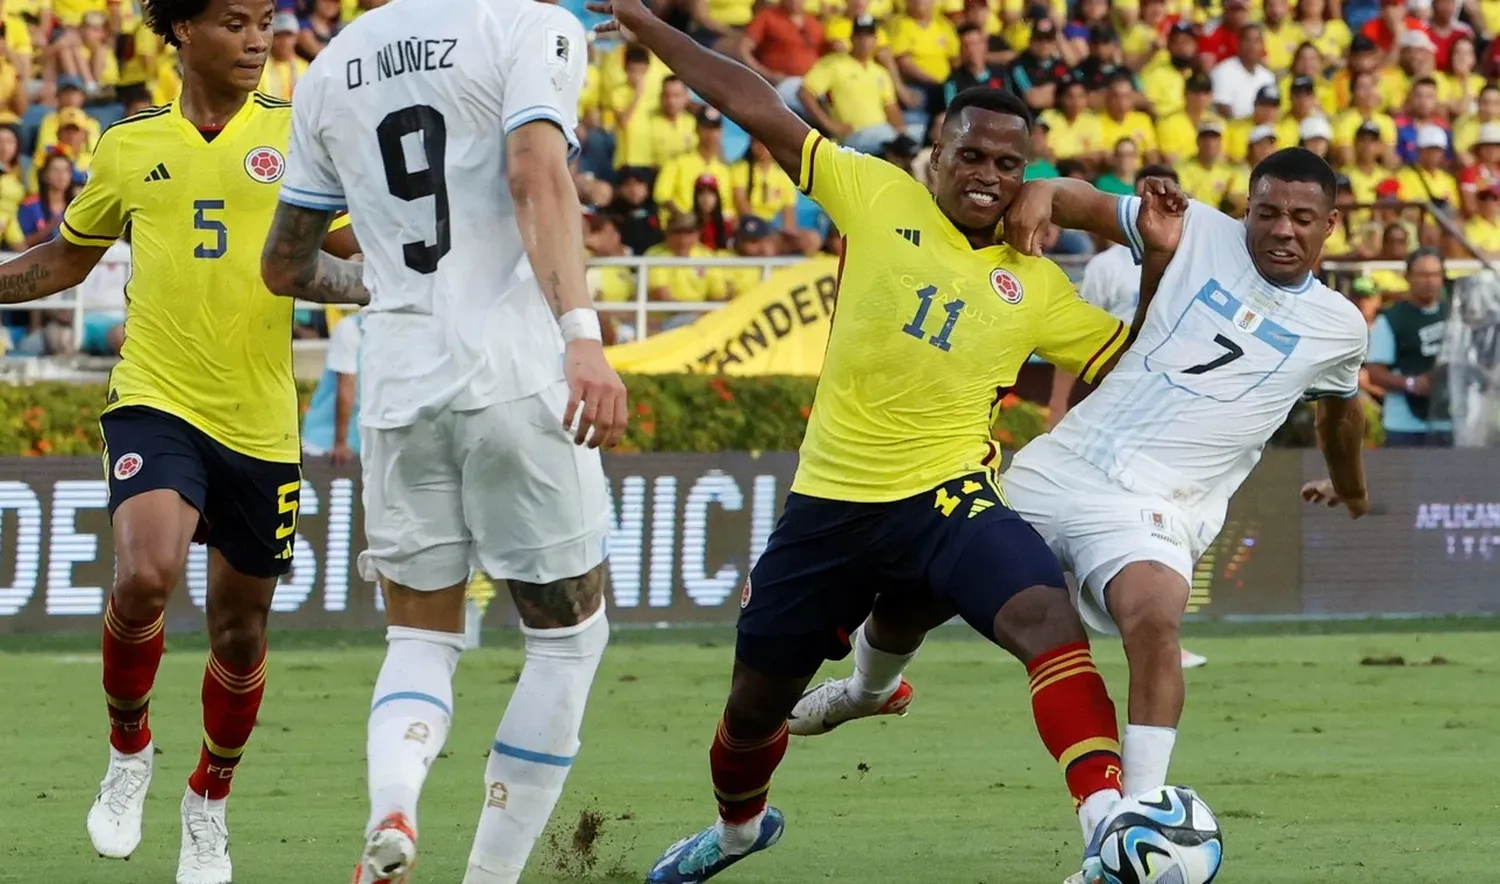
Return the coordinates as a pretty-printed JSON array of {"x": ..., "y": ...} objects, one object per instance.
[{"x": 1400, "y": 95}]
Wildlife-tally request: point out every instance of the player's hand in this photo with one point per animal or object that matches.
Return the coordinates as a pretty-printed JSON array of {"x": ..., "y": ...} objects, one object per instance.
[
  {"x": 1029, "y": 216},
  {"x": 1321, "y": 491},
  {"x": 1163, "y": 210},
  {"x": 341, "y": 455},
  {"x": 625, "y": 16},
  {"x": 596, "y": 412}
]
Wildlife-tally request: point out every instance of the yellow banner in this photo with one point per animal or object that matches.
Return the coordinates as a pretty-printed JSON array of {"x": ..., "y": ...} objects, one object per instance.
[{"x": 778, "y": 327}]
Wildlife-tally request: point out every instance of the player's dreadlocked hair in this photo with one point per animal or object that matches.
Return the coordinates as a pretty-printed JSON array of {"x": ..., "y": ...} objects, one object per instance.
[
  {"x": 161, "y": 15},
  {"x": 989, "y": 98},
  {"x": 1298, "y": 164}
]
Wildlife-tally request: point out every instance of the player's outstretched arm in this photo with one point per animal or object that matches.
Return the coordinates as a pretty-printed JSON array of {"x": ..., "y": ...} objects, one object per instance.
[
  {"x": 1341, "y": 435},
  {"x": 548, "y": 212},
  {"x": 1078, "y": 205},
  {"x": 736, "y": 91},
  {"x": 294, "y": 265},
  {"x": 54, "y": 266}
]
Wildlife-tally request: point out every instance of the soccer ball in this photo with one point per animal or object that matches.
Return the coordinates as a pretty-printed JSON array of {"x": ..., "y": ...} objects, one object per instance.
[{"x": 1165, "y": 836}]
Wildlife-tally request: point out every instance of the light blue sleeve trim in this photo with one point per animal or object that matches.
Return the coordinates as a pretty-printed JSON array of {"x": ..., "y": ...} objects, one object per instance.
[
  {"x": 307, "y": 202},
  {"x": 1311, "y": 395},
  {"x": 542, "y": 112},
  {"x": 313, "y": 194},
  {"x": 1127, "y": 212},
  {"x": 1382, "y": 343}
]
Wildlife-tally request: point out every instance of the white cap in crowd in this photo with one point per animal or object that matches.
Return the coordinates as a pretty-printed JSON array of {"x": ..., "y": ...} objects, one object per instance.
[
  {"x": 1431, "y": 136},
  {"x": 1315, "y": 126}
]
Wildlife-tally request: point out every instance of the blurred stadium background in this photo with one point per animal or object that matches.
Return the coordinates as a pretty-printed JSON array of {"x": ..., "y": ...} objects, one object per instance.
[{"x": 1339, "y": 727}]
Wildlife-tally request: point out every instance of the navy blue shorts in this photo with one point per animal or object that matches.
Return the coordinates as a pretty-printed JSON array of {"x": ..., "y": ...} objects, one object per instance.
[
  {"x": 247, "y": 508},
  {"x": 827, "y": 560}
]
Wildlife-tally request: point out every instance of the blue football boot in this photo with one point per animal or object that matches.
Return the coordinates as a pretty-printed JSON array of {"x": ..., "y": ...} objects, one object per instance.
[{"x": 698, "y": 857}]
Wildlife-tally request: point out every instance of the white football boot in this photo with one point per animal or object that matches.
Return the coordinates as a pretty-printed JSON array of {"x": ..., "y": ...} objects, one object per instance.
[
  {"x": 390, "y": 852},
  {"x": 1191, "y": 660},
  {"x": 204, "y": 858},
  {"x": 829, "y": 705},
  {"x": 114, "y": 821}
]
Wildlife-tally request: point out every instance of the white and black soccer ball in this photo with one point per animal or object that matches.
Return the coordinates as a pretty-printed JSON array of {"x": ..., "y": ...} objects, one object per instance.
[{"x": 1165, "y": 836}]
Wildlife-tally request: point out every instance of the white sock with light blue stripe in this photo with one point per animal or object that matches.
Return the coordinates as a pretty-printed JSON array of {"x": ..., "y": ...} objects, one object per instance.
[
  {"x": 409, "y": 717},
  {"x": 535, "y": 747}
]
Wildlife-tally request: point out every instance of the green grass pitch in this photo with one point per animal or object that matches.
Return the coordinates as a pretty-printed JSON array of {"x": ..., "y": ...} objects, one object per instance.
[{"x": 1323, "y": 769}]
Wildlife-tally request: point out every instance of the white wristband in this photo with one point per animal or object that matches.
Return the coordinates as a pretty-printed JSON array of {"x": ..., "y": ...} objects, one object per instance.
[{"x": 581, "y": 323}]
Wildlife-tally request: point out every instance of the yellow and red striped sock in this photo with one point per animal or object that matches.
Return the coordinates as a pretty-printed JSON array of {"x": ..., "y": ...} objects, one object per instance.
[
  {"x": 1076, "y": 719},
  {"x": 231, "y": 701},
  {"x": 742, "y": 770},
  {"x": 132, "y": 652}
]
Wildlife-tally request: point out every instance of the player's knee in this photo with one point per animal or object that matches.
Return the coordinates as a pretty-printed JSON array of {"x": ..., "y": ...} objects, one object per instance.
[
  {"x": 238, "y": 636},
  {"x": 1150, "y": 626},
  {"x": 560, "y": 603},
  {"x": 1037, "y": 620},
  {"x": 143, "y": 585},
  {"x": 1146, "y": 602}
]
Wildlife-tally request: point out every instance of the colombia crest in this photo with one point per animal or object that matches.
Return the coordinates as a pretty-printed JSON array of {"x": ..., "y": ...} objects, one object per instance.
[
  {"x": 265, "y": 164},
  {"x": 1006, "y": 285}
]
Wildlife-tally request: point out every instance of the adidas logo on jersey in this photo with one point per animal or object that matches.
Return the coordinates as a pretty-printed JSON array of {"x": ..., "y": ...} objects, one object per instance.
[
  {"x": 912, "y": 236},
  {"x": 160, "y": 173}
]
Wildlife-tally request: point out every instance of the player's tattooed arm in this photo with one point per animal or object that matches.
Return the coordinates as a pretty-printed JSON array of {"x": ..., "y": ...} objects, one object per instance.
[
  {"x": 54, "y": 266},
  {"x": 294, "y": 265},
  {"x": 561, "y": 603}
]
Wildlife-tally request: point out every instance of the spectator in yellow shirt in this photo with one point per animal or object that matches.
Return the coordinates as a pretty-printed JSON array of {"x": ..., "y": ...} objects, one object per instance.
[
  {"x": 755, "y": 239},
  {"x": 678, "y": 178},
  {"x": 1428, "y": 181},
  {"x": 1206, "y": 176},
  {"x": 1466, "y": 129},
  {"x": 1329, "y": 33},
  {"x": 1483, "y": 229},
  {"x": 763, "y": 190},
  {"x": 70, "y": 97},
  {"x": 674, "y": 131},
  {"x": 1073, "y": 130},
  {"x": 612, "y": 284},
  {"x": 924, "y": 45},
  {"x": 1267, "y": 112},
  {"x": 693, "y": 284},
  {"x": 852, "y": 97},
  {"x": 1121, "y": 120},
  {"x": 1316, "y": 135},
  {"x": 1262, "y": 144},
  {"x": 284, "y": 68},
  {"x": 839, "y": 31},
  {"x": 1177, "y": 134},
  {"x": 1366, "y": 109}
]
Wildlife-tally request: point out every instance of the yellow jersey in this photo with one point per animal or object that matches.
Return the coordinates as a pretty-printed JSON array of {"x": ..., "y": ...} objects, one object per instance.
[
  {"x": 1419, "y": 185},
  {"x": 1177, "y": 135},
  {"x": 1079, "y": 137},
  {"x": 1484, "y": 233},
  {"x": 768, "y": 188},
  {"x": 1135, "y": 126},
  {"x": 1237, "y": 136},
  {"x": 671, "y": 138},
  {"x": 858, "y": 93},
  {"x": 928, "y": 334},
  {"x": 932, "y": 47},
  {"x": 279, "y": 78},
  {"x": 677, "y": 182},
  {"x": 687, "y": 283},
  {"x": 205, "y": 339},
  {"x": 1347, "y": 124},
  {"x": 1207, "y": 184}
]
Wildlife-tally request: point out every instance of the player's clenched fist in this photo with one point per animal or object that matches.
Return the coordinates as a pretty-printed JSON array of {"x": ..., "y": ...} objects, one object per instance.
[
  {"x": 1322, "y": 491},
  {"x": 1030, "y": 213},
  {"x": 596, "y": 412},
  {"x": 1163, "y": 209}
]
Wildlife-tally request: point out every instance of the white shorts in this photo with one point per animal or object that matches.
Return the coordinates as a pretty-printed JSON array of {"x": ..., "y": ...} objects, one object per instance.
[
  {"x": 1095, "y": 526},
  {"x": 503, "y": 489}
]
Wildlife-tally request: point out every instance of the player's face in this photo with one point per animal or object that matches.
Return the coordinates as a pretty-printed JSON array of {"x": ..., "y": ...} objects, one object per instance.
[
  {"x": 1286, "y": 226},
  {"x": 978, "y": 165},
  {"x": 228, "y": 42}
]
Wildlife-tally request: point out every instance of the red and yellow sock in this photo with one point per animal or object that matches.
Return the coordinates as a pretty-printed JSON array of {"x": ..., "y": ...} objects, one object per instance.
[
  {"x": 231, "y": 701},
  {"x": 742, "y": 770},
  {"x": 132, "y": 654},
  {"x": 1076, "y": 719}
]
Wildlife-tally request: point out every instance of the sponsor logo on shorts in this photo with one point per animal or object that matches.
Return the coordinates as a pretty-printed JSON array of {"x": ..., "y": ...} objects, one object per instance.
[
  {"x": 265, "y": 164},
  {"x": 745, "y": 594},
  {"x": 128, "y": 465},
  {"x": 1006, "y": 285},
  {"x": 1156, "y": 520}
]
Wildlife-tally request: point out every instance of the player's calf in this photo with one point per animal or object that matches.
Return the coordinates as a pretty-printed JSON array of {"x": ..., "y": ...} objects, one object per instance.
[
  {"x": 1146, "y": 601},
  {"x": 566, "y": 631}
]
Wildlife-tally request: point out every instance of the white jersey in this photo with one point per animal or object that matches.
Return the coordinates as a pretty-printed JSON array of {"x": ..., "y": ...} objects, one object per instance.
[
  {"x": 1112, "y": 282},
  {"x": 402, "y": 120},
  {"x": 1223, "y": 357}
]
